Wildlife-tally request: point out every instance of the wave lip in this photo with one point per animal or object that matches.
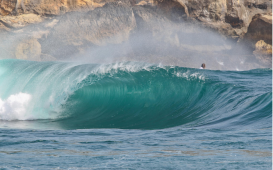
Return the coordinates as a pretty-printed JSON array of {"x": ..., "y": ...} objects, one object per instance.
[{"x": 132, "y": 95}]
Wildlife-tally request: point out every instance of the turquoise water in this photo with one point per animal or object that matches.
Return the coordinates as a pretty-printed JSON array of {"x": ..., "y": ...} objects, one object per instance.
[{"x": 133, "y": 115}]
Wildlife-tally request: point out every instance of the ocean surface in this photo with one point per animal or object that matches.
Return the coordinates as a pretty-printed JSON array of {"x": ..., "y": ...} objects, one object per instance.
[{"x": 132, "y": 115}]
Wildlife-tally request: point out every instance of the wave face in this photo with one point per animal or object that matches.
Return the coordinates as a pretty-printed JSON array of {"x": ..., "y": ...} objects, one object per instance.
[{"x": 133, "y": 95}]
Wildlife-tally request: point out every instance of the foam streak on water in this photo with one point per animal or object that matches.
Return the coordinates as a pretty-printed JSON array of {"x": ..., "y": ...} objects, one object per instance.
[{"x": 56, "y": 115}]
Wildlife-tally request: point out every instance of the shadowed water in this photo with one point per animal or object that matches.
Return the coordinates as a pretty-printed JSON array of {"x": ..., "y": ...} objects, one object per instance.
[{"x": 133, "y": 115}]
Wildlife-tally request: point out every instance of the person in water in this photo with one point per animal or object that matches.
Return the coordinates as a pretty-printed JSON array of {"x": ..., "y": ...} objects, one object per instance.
[{"x": 203, "y": 66}]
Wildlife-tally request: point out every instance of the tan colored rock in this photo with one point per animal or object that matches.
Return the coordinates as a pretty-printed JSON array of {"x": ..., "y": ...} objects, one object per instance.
[
  {"x": 7, "y": 6},
  {"x": 102, "y": 22},
  {"x": 29, "y": 50},
  {"x": 71, "y": 33},
  {"x": 52, "y": 23},
  {"x": 142, "y": 3},
  {"x": 215, "y": 13},
  {"x": 266, "y": 18},
  {"x": 47, "y": 7},
  {"x": 21, "y": 20},
  {"x": 238, "y": 14},
  {"x": 260, "y": 28},
  {"x": 263, "y": 47},
  {"x": 263, "y": 52}
]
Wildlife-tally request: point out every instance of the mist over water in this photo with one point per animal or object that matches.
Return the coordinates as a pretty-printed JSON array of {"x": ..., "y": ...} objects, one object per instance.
[
  {"x": 84, "y": 55},
  {"x": 108, "y": 51},
  {"x": 182, "y": 43},
  {"x": 121, "y": 88},
  {"x": 131, "y": 95}
]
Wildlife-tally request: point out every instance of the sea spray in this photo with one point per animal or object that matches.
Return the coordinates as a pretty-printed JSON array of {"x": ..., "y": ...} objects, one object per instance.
[
  {"x": 15, "y": 107},
  {"x": 133, "y": 95}
]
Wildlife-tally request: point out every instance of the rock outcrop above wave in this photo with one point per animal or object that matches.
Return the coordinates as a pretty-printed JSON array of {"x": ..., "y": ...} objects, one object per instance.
[{"x": 171, "y": 31}]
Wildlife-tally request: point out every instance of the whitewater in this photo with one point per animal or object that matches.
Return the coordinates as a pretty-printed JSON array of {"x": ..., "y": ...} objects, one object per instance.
[{"x": 129, "y": 115}]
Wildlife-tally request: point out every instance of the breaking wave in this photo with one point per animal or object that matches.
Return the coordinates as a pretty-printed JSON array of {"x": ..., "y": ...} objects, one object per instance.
[{"x": 133, "y": 95}]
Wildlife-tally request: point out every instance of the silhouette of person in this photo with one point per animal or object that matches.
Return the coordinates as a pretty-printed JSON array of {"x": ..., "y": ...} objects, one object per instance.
[{"x": 203, "y": 66}]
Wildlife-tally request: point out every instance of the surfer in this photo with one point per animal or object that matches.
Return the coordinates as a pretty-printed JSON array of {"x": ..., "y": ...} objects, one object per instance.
[{"x": 203, "y": 66}]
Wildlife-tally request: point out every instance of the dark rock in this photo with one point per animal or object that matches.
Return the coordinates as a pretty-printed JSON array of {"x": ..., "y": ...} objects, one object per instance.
[
  {"x": 111, "y": 24},
  {"x": 171, "y": 31}
]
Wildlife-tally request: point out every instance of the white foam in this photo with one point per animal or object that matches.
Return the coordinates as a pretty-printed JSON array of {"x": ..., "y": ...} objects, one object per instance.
[
  {"x": 221, "y": 63},
  {"x": 128, "y": 66},
  {"x": 15, "y": 107},
  {"x": 188, "y": 75}
]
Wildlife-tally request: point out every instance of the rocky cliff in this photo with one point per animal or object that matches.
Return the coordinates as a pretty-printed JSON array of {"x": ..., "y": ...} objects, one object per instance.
[{"x": 178, "y": 32}]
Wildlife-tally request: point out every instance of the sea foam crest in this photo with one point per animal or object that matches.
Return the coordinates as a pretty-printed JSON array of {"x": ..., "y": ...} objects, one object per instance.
[
  {"x": 123, "y": 66},
  {"x": 188, "y": 75},
  {"x": 15, "y": 107}
]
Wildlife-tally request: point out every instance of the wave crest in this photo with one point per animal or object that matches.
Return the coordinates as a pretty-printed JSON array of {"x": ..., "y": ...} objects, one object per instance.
[{"x": 132, "y": 95}]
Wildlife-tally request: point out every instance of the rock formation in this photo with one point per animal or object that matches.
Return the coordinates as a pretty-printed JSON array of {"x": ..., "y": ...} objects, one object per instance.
[
  {"x": 150, "y": 30},
  {"x": 263, "y": 52},
  {"x": 29, "y": 49}
]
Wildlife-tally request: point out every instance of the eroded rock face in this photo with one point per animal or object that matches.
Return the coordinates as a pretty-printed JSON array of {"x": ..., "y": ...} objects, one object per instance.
[
  {"x": 260, "y": 28},
  {"x": 7, "y": 6},
  {"x": 247, "y": 21},
  {"x": 231, "y": 15},
  {"x": 29, "y": 49},
  {"x": 111, "y": 24},
  {"x": 47, "y": 7},
  {"x": 163, "y": 28},
  {"x": 259, "y": 38},
  {"x": 20, "y": 21},
  {"x": 263, "y": 52}
]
